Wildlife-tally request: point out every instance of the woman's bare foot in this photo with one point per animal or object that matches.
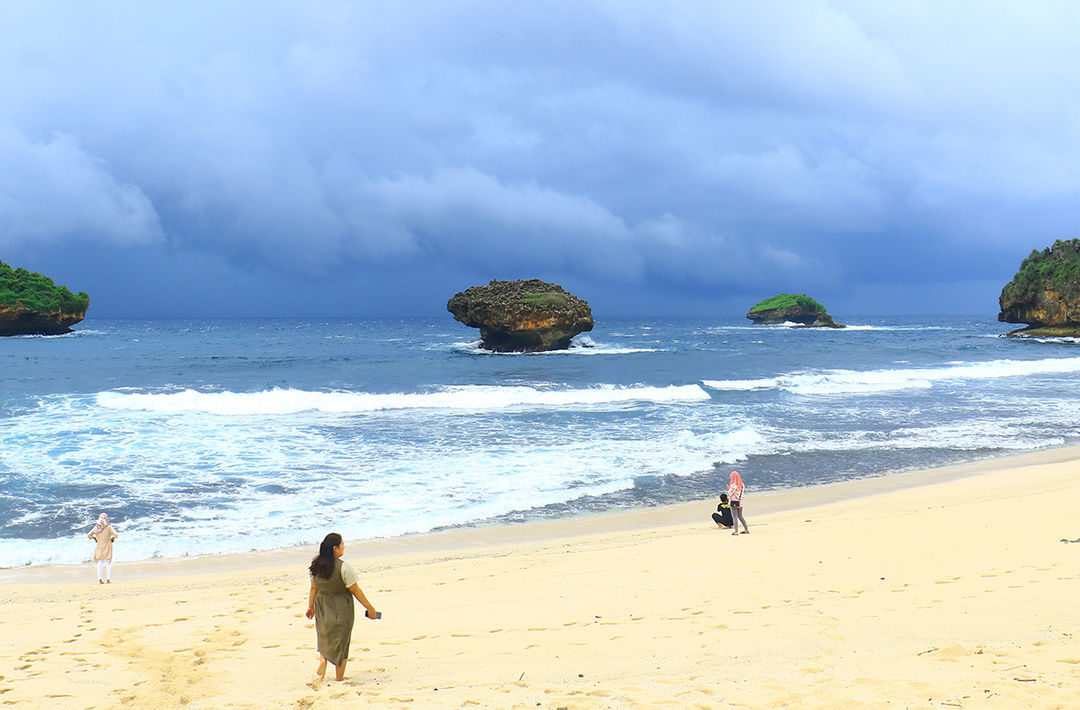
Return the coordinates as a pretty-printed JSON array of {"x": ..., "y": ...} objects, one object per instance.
[
  {"x": 321, "y": 670},
  {"x": 339, "y": 671}
]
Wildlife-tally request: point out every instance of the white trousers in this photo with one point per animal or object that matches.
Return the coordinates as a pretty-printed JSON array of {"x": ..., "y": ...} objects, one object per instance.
[{"x": 105, "y": 565}]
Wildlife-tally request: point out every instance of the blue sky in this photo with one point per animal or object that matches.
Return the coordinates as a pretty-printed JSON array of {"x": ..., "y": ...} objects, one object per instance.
[{"x": 373, "y": 158}]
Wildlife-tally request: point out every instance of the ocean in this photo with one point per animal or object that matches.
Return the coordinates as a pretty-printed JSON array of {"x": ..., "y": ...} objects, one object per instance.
[{"x": 219, "y": 436}]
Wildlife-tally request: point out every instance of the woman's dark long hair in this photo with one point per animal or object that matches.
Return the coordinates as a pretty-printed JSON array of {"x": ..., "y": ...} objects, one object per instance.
[{"x": 322, "y": 565}]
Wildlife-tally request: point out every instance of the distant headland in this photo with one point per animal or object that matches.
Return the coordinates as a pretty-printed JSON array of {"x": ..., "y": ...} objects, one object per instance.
[
  {"x": 522, "y": 316},
  {"x": 1045, "y": 293},
  {"x": 31, "y": 304},
  {"x": 795, "y": 308}
]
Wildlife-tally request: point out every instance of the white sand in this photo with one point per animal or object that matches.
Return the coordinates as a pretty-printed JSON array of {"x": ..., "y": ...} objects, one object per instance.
[{"x": 947, "y": 588}]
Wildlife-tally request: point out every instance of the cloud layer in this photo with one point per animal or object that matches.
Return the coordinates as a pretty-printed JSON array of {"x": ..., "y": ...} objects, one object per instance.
[{"x": 719, "y": 148}]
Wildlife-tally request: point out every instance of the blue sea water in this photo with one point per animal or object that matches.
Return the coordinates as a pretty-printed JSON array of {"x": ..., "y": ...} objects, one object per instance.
[{"x": 203, "y": 437}]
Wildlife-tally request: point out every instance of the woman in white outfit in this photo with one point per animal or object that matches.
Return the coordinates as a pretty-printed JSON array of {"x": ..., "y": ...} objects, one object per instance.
[{"x": 104, "y": 535}]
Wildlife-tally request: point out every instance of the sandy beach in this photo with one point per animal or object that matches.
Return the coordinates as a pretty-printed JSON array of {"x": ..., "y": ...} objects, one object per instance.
[{"x": 948, "y": 588}]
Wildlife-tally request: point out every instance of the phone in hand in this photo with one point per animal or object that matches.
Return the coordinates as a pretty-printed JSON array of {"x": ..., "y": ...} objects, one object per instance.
[{"x": 378, "y": 614}]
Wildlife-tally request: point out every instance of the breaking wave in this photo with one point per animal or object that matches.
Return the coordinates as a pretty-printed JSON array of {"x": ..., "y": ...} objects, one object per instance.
[
  {"x": 855, "y": 381},
  {"x": 292, "y": 401}
]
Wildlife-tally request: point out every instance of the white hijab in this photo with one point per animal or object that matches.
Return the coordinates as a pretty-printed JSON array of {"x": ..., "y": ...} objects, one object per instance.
[{"x": 101, "y": 524}]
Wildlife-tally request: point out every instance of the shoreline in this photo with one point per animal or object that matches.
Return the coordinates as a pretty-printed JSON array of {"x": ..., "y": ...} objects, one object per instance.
[
  {"x": 919, "y": 590},
  {"x": 474, "y": 537}
]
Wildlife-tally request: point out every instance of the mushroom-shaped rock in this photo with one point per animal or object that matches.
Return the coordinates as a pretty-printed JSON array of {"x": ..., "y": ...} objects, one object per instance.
[
  {"x": 1045, "y": 293},
  {"x": 31, "y": 304},
  {"x": 522, "y": 316},
  {"x": 795, "y": 308}
]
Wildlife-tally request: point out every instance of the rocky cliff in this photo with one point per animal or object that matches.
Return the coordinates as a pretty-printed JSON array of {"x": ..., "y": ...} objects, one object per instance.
[
  {"x": 522, "y": 316},
  {"x": 19, "y": 321},
  {"x": 795, "y": 308},
  {"x": 1045, "y": 293},
  {"x": 31, "y": 304}
]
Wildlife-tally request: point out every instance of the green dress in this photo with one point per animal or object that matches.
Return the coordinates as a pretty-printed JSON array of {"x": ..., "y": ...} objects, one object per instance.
[{"x": 334, "y": 616}]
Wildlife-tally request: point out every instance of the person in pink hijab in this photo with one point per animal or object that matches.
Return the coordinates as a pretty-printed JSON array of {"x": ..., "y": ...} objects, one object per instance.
[
  {"x": 104, "y": 535},
  {"x": 735, "y": 491}
]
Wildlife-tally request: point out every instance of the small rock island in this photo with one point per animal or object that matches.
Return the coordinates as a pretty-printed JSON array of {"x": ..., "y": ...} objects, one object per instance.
[
  {"x": 522, "y": 316},
  {"x": 31, "y": 304},
  {"x": 1045, "y": 293},
  {"x": 795, "y": 308}
]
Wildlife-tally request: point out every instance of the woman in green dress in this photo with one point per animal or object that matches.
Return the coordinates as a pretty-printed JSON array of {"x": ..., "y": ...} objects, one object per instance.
[{"x": 330, "y": 603}]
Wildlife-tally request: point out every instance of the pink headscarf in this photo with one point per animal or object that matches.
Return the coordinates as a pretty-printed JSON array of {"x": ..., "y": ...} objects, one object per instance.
[{"x": 735, "y": 487}]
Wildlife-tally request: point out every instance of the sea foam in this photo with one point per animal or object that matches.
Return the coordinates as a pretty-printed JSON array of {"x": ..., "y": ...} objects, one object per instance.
[
  {"x": 885, "y": 380},
  {"x": 473, "y": 397},
  {"x": 583, "y": 348}
]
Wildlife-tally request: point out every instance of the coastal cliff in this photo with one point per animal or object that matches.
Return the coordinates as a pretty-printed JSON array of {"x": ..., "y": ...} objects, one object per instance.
[
  {"x": 1045, "y": 292},
  {"x": 31, "y": 304},
  {"x": 522, "y": 316},
  {"x": 795, "y": 308}
]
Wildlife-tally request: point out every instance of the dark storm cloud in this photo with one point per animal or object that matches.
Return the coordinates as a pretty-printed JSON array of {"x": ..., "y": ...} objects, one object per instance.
[
  {"x": 728, "y": 149},
  {"x": 52, "y": 190}
]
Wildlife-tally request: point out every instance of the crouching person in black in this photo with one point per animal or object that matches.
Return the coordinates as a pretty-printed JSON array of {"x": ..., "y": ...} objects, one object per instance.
[{"x": 722, "y": 516}]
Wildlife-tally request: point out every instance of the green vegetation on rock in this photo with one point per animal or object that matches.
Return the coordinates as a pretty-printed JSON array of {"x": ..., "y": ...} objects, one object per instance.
[
  {"x": 27, "y": 290},
  {"x": 789, "y": 300},
  {"x": 551, "y": 298},
  {"x": 1055, "y": 268}
]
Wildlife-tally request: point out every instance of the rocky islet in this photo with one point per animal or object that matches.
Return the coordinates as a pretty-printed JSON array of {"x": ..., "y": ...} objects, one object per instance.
[
  {"x": 1045, "y": 292},
  {"x": 522, "y": 316},
  {"x": 31, "y": 304},
  {"x": 796, "y": 308}
]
